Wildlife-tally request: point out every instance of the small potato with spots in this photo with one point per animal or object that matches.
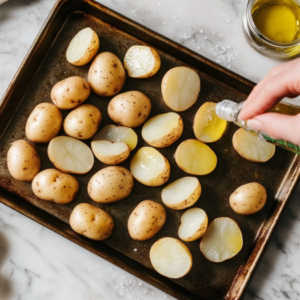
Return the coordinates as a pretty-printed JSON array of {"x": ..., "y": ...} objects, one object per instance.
[
  {"x": 23, "y": 161},
  {"x": 54, "y": 185},
  {"x": 106, "y": 75},
  {"x": 44, "y": 123},
  {"x": 70, "y": 92},
  {"x": 146, "y": 220},
  {"x": 110, "y": 184},
  {"x": 248, "y": 198},
  {"x": 83, "y": 122},
  {"x": 129, "y": 109},
  {"x": 91, "y": 221}
]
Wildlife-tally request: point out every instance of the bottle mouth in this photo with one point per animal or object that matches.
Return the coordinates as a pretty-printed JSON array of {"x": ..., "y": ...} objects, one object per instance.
[{"x": 224, "y": 110}]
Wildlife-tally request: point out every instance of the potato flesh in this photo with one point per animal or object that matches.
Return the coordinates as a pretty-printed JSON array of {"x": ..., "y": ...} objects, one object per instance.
[
  {"x": 147, "y": 164},
  {"x": 160, "y": 126},
  {"x": 195, "y": 157},
  {"x": 79, "y": 44},
  {"x": 251, "y": 147},
  {"x": 191, "y": 222},
  {"x": 117, "y": 134},
  {"x": 109, "y": 148},
  {"x": 179, "y": 190},
  {"x": 181, "y": 88},
  {"x": 170, "y": 257},
  {"x": 139, "y": 61},
  {"x": 208, "y": 127},
  {"x": 222, "y": 240},
  {"x": 70, "y": 155}
]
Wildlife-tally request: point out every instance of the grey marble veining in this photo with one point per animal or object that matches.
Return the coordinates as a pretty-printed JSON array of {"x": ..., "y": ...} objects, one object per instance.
[{"x": 38, "y": 264}]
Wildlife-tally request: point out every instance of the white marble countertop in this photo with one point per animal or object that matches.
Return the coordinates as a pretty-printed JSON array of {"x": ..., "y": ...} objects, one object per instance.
[{"x": 39, "y": 264}]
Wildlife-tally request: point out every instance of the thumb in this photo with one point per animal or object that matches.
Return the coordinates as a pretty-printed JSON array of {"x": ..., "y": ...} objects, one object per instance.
[{"x": 278, "y": 126}]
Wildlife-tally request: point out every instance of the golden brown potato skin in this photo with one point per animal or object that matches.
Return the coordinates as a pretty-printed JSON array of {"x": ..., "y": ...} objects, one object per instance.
[
  {"x": 70, "y": 92},
  {"x": 23, "y": 161},
  {"x": 91, "y": 221},
  {"x": 146, "y": 220},
  {"x": 110, "y": 184},
  {"x": 44, "y": 123},
  {"x": 54, "y": 185},
  {"x": 130, "y": 109},
  {"x": 106, "y": 75},
  {"x": 83, "y": 122}
]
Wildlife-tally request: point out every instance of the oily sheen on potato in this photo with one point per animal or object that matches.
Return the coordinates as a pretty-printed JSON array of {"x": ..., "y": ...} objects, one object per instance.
[
  {"x": 83, "y": 122},
  {"x": 83, "y": 47},
  {"x": 141, "y": 61},
  {"x": 110, "y": 184},
  {"x": 115, "y": 134},
  {"x": 193, "y": 224},
  {"x": 91, "y": 221},
  {"x": 130, "y": 109},
  {"x": 222, "y": 240},
  {"x": 44, "y": 123},
  {"x": 23, "y": 161},
  {"x": 146, "y": 220},
  {"x": 181, "y": 193},
  {"x": 56, "y": 186},
  {"x": 170, "y": 257},
  {"x": 180, "y": 88},
  {"x": 163, "y": 130},
  {"x": 195, "y": 158},
  {"x": 70, "y": 92},
  {"x": 150, "y": 167},
  {"x": 106, "y": 75},
  {"x": 70, "y": 155}
]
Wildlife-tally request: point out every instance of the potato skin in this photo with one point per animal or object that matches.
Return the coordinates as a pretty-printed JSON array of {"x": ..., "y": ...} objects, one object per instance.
[
  {"x": 44, "y": 123},
  {"x": 146, "y": 220},
  {"x": 23, "y": 161},
  {"x": 106, "y": 75},
  {"x": 70, "y": 92},
  {"x": 248, "y": 199},
  {"x": 91, "y": 221},
  {"x": 83, "y": 122},
  {"x": 130, "y": 109},
  {"x": 110, "y": 184},
  {"x": 54, "y": 185}
]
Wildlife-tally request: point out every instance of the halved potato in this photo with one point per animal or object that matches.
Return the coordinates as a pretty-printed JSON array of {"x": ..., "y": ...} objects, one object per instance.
[
  {"x": 208, "y": 127},
  {"x": 222, "y": 240},
  {"x": 251, "y": 147},
  {"x": 171, "y": 258},
  {"x": 182, "y": 193},
  {"x": 83, "y": 47},
  {"x": 180, "y": 88},
  {"x": 193, "y": 224},
  {"x": 150, "y": 167},
  {"x": 195, "y": 158},
  {"x": 110, "y": 153},
  {"x": 141, "y": 61},
  {"x": 163, "y": 130},
  {"x": 70, "y": 155},
  {"x": 117, "y": 134}
]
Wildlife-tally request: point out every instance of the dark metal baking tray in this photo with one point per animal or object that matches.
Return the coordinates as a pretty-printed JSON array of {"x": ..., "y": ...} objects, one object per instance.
[{"x": 45, "y": 65}]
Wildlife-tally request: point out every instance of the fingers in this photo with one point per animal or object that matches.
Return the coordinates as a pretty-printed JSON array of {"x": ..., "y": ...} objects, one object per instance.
[{"x": 278, "y": 126}]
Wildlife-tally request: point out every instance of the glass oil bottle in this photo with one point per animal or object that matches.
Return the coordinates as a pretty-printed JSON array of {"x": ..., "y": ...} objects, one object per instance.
[{"x": 229, "y": 111}]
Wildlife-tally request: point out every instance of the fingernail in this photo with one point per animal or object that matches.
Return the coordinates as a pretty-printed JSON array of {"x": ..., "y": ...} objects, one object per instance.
[{"x": 255, "y": 125}]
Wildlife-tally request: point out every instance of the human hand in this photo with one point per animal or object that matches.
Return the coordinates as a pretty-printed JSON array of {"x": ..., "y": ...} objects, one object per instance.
[{"x": 281, "y": 81}]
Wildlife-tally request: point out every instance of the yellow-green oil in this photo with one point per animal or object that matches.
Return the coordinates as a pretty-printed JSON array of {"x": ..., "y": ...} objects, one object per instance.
[{"x": 277, "y": 20}]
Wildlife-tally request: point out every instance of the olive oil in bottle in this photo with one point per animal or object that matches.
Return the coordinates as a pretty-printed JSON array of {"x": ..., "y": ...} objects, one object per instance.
[{"x": 277, "y": 20}]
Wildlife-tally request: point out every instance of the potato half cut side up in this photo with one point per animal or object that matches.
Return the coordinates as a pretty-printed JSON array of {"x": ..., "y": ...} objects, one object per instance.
[
  {"x": 141, "y": 61},
  {"x": 83, "y": 47},
  {"x": 181, "y": 193},
  {"x": 170, "y": 257},
  {"x": 70, "y": 155},
  {"x": 223, "y": 240},
  {"x": 251, "y": 147}
]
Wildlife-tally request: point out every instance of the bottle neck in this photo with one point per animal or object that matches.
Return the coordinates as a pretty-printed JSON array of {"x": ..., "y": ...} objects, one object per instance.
[{"x": 229, "y": 110}]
